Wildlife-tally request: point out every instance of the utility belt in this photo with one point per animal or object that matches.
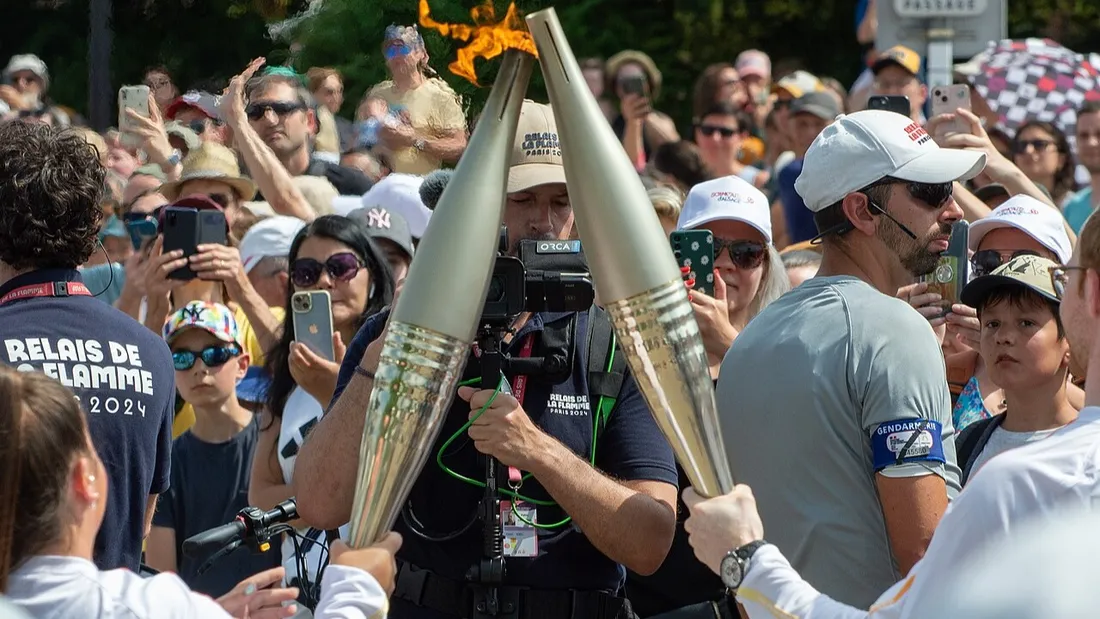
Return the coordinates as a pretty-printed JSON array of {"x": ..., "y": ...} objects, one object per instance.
[
  {"x": 426, "y": 589},
  {"x": 724, "y": 608}
]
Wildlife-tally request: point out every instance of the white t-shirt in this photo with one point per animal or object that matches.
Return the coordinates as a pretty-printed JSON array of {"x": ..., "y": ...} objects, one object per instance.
[
  {"x": 1036, "y": 482},
  {"x": 300, "y": 413},
  {"x": 1002, "y": 440},
  {"x": 54, "y": 587}
]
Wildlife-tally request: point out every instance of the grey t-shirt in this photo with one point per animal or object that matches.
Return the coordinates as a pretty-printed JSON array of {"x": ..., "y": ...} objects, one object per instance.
[
  {"x": 1002, "y": 440},
  {"x": 823, "y": 389}
]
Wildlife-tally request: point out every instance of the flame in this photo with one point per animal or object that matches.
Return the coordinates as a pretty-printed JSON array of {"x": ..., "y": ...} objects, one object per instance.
[{"x": 487, "y": 38}]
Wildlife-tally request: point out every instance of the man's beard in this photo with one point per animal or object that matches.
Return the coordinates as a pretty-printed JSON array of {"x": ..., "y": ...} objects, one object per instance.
[{"x": 913, "y": 254}]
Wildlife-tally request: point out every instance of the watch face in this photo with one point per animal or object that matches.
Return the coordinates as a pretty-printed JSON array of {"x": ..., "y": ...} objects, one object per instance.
[{"x": 731, "y": 571}]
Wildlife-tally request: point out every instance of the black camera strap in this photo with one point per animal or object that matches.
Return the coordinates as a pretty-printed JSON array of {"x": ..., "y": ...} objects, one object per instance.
[{"x": 606, "y": 370}]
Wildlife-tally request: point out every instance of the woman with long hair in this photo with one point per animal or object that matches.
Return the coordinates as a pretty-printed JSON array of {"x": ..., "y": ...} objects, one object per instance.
[
  {"x": 334, "y": 254},
  {"x": 53, "y": 495}
]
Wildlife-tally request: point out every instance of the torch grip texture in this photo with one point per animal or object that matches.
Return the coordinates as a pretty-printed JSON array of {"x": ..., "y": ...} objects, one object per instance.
[
  {"x": 664, "y": 350},
  {"x": 416, "y": 379}
]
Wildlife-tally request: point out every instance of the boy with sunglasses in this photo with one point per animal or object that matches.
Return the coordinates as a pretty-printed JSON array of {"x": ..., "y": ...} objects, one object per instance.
[{"x": 211, "y": 462}]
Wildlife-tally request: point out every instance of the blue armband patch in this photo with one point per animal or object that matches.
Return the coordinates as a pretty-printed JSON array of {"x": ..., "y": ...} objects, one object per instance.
[{"x": 907, "y": 440}]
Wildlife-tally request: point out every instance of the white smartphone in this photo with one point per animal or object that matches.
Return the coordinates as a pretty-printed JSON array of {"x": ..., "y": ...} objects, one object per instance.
[
  {"x": 131, "y": 98},
  {"x": 948, "y": 99},
  {"x": 312, "y": 321}
]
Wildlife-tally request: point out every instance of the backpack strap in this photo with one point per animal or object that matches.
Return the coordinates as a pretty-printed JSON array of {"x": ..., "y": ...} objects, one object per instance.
[{"x": 606, "y": 370}]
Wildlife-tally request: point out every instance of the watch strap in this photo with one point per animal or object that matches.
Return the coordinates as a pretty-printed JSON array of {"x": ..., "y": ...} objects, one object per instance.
[{"x": 746, "y": 552}]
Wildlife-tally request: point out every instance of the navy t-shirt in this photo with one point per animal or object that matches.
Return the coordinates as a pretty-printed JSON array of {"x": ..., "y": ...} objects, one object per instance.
[
  {"x": 122, "y": 374},
  {"x": 631, "y": 447},
  {"x": 800, "y": 221},
  {"x": 209, "y": 487}
]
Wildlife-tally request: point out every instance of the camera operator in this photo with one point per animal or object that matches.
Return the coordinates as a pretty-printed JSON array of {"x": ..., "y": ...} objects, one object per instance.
[{"x": 615, "y": 480}]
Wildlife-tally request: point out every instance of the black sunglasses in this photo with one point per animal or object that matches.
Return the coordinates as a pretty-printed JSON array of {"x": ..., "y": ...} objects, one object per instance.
[
  {"x": 710, "y": 130},
  {"x": 986, "y": 261},
  {"x": 1039, "y": 145},
  {"x": 256, "y": 111},
  {"x": 933, "y": 195},
  {"x": 212, "y": 356},
  {"x": 342, "y": 267},
  {"x": 744, "y": 254}
]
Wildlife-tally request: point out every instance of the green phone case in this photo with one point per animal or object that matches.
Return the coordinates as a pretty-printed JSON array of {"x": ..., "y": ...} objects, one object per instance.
[{"x": 695, "y": 249}]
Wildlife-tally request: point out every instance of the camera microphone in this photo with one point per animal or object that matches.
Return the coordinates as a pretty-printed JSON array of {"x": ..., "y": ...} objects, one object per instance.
[{"x": 432, "y": 187}]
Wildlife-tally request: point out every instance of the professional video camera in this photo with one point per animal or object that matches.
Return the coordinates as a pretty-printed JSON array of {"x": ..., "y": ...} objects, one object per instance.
[{"x": 548, "y": 276}]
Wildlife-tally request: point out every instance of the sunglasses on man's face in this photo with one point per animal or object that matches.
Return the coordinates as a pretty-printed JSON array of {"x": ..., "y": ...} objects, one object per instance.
[
  {"x": 933, "y": 195},
  {"x": 744, "y": 254},
  {"x": 710, "y": 130},
  {"x": 986, "y": 261},
  {"x": 305, "y": 272},
  {"x": 212, "y": 356},
  {"x": 258, "y": 110}
]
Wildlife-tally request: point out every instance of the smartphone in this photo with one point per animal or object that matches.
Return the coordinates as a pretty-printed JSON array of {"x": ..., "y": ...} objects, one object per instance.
[
  {"x": 186, "y": 228},
  {"x": 312, "y": 320},
  {"x": 695, "y": 249},
  {"x": 141, "y": 230},
  {"x": 898, "y": 104},
  {"x": 634, "y": 85},
  {"x": 953, "y": 270},
  {"x": 947, "y": 99},
  {"x": 131, "y": 98}
]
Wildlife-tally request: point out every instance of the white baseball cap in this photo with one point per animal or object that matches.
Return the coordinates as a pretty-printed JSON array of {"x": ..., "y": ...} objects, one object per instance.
[
  {"x": 399, "y": 193},
  {"x": 1040, "y": 221},
  {"x": 861, "y": 148},
  {"x": 729, "y": 198},
  {"x": 269, "y": 237}
]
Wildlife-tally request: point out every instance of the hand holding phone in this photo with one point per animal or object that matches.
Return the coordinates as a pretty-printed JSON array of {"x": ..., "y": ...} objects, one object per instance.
[
  {"x": 312, "y": 320},
  {"x": 953, "y": 270},
  {"x": 947, "y": 100},
  {"x": 186, "y": 228},
  {"x": 694, "y": 249},
  {"x": 131, "y": 98}
]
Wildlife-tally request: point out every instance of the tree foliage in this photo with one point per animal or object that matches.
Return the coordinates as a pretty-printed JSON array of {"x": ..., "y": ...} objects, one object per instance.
[{"x": 204, "y": 40}]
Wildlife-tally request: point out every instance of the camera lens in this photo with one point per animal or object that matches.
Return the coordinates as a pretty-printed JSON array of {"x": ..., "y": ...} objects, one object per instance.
[{"x": 496, "y": 290}]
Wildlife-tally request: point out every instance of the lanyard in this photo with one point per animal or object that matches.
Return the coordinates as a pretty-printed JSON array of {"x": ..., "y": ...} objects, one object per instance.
[
  {"x": 519, "y": 388},
  {"x": 47, "y": 289},
  {"x": 519, "y": 383}
]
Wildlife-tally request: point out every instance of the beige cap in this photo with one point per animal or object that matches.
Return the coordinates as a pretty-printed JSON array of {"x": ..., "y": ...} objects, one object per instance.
[{"x": 536, "y": 156}]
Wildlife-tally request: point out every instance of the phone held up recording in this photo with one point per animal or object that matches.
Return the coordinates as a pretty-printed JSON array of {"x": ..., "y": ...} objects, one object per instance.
[
  {"x": 898, "y": 104},
  {"x": 186, "y": 228},
  {"x": 953, "y": 270},
  {"x": 694, "y": 249},
  {"x": 947, "y": 100}
]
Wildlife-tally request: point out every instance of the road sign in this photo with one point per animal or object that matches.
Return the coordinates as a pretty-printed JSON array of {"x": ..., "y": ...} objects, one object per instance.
[
  {"x": 939, "y": 8},
  {"x": 974, "y": 24}
]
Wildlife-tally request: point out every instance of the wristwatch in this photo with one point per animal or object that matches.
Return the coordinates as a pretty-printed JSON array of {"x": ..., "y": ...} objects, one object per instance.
[
  {"x": 420, "y": 144},
  {"x": 175, "y": 157},
  {"x": 735, "y": 564}
]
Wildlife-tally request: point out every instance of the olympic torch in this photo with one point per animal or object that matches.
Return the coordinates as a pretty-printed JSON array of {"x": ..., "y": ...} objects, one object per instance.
[
  {"x": 633, "y": 268},
  {"x": 433, "y": 325}
]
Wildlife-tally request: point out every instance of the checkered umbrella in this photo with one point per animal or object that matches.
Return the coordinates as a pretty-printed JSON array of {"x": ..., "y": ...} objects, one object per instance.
[{"x": 1037, "y": 80}]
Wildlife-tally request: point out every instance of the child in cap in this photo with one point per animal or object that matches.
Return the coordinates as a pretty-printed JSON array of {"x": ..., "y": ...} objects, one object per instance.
[
  {"x": 1025, "y": 345},
  {"x": 212, "y": 461}
]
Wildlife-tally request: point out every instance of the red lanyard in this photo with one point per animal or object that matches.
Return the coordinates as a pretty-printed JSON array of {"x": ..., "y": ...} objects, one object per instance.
[
  {"x": 47, "y": 289},
  {"x": 519, "y": 383},
  {"x": 519, "y": 389}
]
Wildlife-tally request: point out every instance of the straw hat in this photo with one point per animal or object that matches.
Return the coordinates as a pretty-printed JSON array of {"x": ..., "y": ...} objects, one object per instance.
[
  {"x": 616, "y": 62},
  {"x": 211, "y": 161}
]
